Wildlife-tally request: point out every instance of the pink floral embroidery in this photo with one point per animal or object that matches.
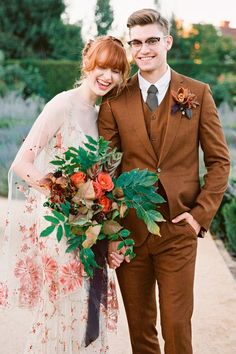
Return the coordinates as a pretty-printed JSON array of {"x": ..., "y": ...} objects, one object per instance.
[
  {"x": 53, "y": 291},
  {"x": 31, "y": 200},
  {"x": 71, "y": 275},
  {"x": 30, "y": 233},
  {"x": 112, "y": 304},
  {"x": 27, "y": 270},
  {"x": 29, "y": 294},
  {"x": 25, "y": 248},
  {"x": 29, "y": 209},
  {"x": 3, "y": 294},
  {"x": 33, "y": 233},
  {"x": 50, "y": 267},
  {"x": 41, "y": 245},
  {"x": 22, "y": 228}
]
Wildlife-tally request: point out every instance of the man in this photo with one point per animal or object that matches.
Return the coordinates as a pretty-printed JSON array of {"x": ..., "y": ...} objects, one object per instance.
[{"x": 160, "y": 129}]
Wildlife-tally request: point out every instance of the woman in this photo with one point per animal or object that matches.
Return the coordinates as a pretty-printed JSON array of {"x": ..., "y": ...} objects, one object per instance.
[{"x": 70, "y": 317}]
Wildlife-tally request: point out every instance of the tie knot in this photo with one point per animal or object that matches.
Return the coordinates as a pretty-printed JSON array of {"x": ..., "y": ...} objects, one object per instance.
[{"x": 152, "y": 89}]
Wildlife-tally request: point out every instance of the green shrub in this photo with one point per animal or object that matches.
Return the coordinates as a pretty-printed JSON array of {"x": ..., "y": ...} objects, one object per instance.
[
  {"x": 229, "y": 213},
  {"x": 223, "y": 225},
  {"x": 56, "y": 75}
]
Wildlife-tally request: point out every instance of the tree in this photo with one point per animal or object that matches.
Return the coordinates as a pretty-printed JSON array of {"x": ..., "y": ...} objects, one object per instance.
[
  {"x": 181, "y": 48},
  {"x": 67, "y": 42},
  {"x": 156, "y": 4},
  {"x": 30, "y": 28},
  {"x": 103, "y": 16}
]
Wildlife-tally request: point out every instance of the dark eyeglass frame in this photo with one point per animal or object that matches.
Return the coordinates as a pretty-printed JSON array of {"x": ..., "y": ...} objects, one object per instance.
[{"x": 147, "y": 41}]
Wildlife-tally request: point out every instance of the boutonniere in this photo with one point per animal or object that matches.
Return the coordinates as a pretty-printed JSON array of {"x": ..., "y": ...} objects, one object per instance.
[{"x": 185, "y": 101}]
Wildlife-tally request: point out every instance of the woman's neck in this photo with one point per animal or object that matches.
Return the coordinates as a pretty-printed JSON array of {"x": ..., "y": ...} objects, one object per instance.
[{"x": 87, "y": 96}]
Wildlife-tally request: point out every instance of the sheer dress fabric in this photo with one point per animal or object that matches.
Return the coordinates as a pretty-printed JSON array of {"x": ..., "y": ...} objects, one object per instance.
[{"x": 35, "y": 272}]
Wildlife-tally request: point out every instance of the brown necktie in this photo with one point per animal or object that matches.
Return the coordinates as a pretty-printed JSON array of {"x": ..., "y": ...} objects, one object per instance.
[{"x": 152, "y": 100}]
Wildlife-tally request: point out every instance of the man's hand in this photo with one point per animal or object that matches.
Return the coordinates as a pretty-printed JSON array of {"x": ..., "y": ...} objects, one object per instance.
[
  {"x": 189, "y": 219},
  {"x": 116, "y": 257}
]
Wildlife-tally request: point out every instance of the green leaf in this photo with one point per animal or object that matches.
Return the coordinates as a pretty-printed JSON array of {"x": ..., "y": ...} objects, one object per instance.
[
  {"x": 120, "y": 245},
  {"x": 88, "y": 260},
  {"x": 113, "y": 237},
  {"x": 51, "y": 219},
  {"x": 72, "y": 148},
  {"x": 91, "y": 140},
  {"x": 72, "y": 247},
  {"x": 129, "y": 242},
  {"x": 101, "y": 236},
  {"x": 115, "y": 214},
  {"x": 149, "y": 217},
  {"x": 90, "y": 147},
  {"x": 57, "y": 163},
  {"x": 58, "y": 215},
  {"x": 124, "y": 233},
  {"x": 47, "y": 231},
  {"x": 67, "y": 230},
  {"x": 59, "y": 233},
  {"x": 153, "y": 228},
  {"x": 66, "y": 208}
]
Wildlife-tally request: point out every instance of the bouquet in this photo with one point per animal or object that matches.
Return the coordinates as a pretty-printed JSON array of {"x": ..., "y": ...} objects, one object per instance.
[{"x": 87, "y": 202}]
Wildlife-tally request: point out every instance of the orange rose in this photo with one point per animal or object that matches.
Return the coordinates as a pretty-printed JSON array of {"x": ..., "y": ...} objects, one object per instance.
[
  {"x": 97, "y": 189},
  {"x": 78, "y": 178},
  {"x": 105, "y": 181},
  {"x": 105, "y": 203}
]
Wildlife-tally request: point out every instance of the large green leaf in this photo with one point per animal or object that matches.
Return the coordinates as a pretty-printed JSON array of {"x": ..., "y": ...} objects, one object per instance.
[
  {"x": 47, "y": 231},
  {"x": 58, "y": 215},
  {"x": 57, "y": 162},
  {"x": 51, "y": 219},
  {"x": 59, "y": 233},
  {"x": 150, "y": 217}
]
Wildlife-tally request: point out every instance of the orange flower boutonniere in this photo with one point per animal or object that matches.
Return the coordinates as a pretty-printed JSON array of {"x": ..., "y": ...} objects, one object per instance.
[{"x": 184, "y": 102}]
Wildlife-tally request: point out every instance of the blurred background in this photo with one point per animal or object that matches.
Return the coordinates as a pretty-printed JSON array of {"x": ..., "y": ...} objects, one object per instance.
[{"x": 40, "y": 52}]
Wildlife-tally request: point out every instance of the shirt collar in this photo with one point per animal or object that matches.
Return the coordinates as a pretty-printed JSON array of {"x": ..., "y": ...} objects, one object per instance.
[{"x": 162, "y": 84}]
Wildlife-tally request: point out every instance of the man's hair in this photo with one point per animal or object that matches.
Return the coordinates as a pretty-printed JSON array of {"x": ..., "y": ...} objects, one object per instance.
[{"x": 148, "y": 16}]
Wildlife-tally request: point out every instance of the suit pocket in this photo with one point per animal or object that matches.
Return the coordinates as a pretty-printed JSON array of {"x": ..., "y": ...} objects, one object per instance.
[{"x": 191, "y": 229}]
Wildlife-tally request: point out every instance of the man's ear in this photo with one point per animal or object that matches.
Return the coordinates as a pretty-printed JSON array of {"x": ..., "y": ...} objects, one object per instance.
[{"x": 169, "y": 42}]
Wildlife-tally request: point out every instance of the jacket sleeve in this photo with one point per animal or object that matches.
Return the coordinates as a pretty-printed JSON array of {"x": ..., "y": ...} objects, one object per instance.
[
  {"x": 107, "y": 125},
  {"x": 216, "y": 159}
]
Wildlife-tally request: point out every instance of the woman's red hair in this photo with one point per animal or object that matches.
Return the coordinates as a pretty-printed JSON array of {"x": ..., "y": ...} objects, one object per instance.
[{"x": 106, "y": 52}]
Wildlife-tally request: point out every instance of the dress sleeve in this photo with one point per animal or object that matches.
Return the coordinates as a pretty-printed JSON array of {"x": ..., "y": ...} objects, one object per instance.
[{"x": 42, "y": 131}]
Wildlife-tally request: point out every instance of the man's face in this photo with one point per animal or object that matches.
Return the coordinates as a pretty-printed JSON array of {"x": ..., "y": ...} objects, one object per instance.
[{"x": 149, "y": 47}]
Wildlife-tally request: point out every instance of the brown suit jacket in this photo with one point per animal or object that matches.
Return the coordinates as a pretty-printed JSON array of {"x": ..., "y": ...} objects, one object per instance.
[{"x": 121, "y": 121}]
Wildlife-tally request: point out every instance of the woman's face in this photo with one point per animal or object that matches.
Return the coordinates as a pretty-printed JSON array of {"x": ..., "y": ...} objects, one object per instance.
[{"x": 102, "y": 80}]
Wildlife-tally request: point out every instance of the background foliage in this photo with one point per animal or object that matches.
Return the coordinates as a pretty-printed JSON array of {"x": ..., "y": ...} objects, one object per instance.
[{"x": 32, "y": 28}]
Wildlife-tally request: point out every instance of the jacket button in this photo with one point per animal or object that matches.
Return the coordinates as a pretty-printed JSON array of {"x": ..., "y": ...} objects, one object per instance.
[{"x": 158, "y": 169}]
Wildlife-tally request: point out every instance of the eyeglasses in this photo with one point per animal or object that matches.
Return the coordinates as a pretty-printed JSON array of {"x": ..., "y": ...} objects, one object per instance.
[{"x": 150, "y": 42}]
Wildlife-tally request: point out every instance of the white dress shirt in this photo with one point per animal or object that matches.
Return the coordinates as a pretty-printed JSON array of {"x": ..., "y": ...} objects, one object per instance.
[{"x": 162, "y": 85}]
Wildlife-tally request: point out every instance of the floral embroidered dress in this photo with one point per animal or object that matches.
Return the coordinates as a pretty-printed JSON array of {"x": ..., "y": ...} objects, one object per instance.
[{"x": 35, "y": 272}]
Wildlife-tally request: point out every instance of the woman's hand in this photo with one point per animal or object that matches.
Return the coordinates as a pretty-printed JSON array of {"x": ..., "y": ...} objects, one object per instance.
[{"x": 116, "y": 257}]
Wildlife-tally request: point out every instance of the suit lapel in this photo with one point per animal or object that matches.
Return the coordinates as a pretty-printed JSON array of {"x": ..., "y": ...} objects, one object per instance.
[
  {"x": 134, "y": 105},
  {"x": 173, "y": 120}
]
